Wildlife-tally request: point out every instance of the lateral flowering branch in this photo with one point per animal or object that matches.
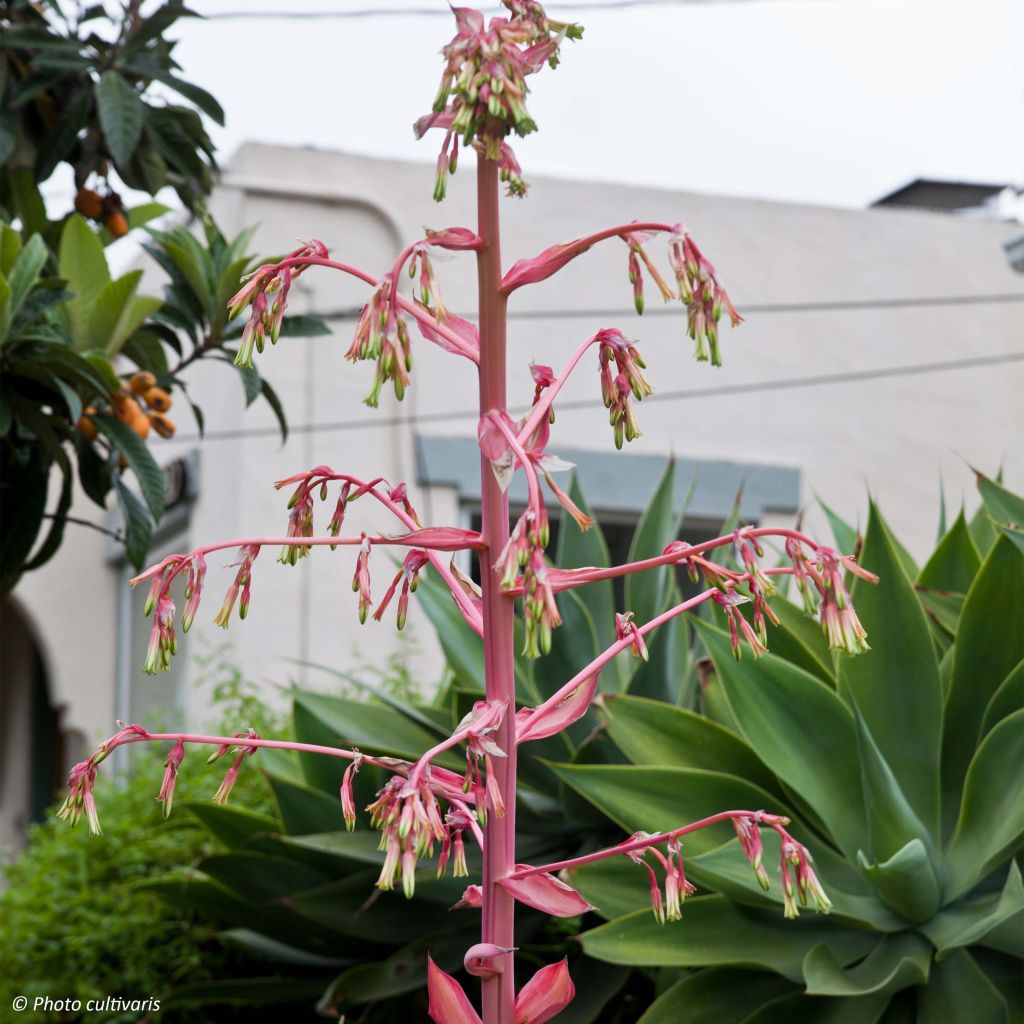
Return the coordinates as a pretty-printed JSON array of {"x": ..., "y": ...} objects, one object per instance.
[{"x": 426, "y": 809}]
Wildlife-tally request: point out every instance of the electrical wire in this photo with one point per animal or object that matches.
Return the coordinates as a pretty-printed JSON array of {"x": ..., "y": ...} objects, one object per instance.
[
  {"x": 690, "y": 394},
  {"x": 430, "y": 12}
]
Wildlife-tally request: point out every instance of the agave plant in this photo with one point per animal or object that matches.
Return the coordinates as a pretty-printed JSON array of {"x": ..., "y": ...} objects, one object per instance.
[{"x": 905, "y": 767}]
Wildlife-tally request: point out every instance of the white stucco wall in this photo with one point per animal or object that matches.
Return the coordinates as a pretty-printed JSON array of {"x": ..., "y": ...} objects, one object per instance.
[{"x": 892, "y": 437}]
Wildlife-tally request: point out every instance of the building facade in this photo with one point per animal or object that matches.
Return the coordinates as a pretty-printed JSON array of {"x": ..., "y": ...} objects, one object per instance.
[{"x": 880, "y": 355}]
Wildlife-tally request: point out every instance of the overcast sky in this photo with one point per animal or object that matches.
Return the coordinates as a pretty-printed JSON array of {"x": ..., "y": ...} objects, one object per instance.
[{"x": 824, "y": 101}]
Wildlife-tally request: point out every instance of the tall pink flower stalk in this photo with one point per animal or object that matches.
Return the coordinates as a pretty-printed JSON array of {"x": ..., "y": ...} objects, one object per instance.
[{"x": 426, "y": 810}]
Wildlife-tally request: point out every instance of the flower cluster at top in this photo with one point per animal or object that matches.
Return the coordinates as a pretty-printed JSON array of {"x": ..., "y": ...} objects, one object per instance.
[{"x": 482, "y": 96}]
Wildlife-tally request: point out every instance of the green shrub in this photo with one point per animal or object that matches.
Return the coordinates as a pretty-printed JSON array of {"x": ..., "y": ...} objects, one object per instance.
[{"x": 73, "y": 922}]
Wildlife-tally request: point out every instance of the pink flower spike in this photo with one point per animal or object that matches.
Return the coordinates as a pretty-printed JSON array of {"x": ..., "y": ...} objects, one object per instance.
[
  {"x": 448, "y": 1004},
  {"x": 545, "y": 995},
  {"x": 171, "y": 766},
  {"x": 547, "y": 894},
  {"x": 484, "y": 960},
  {"x": 543, "y": 721}
]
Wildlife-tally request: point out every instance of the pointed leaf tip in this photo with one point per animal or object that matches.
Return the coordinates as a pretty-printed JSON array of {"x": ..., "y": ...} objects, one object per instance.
[
  {"x": 448, "y": 1004},
  {"x": 545, "y": 995}
]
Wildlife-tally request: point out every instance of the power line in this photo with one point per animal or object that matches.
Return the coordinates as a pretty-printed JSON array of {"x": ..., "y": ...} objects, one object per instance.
[
  {"x": 431, "y": 12},
  {"x": 782, "y": 384},
  {"x": 825, "y": 306}
]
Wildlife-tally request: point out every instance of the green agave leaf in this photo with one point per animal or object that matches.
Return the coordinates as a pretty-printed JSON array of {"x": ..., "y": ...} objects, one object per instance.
[
  {"x": 577, "y": 549},
  {"x": 10, "y": 247},
  {"x": 651, "y": 732},
  {"x": 943, "y": 607},
  {"x": 463, "y": 649},
  {"x": 717, "y": 995},
  {"x": 896, "y": 962},
  {"x": 1006, "y": 937},
  {"x": 614, "y": 887},
  {"x": 800, "y": 729},
  {"x": 660, "y": 799},
  {"x": 596, "y": 984},
  {"x": 646, "y": 593},
  {"x": 373, "y": 727},
  {"x": 800, "y": 640},
  {"x": 667, "y": 669},
  {"x": 303, "y": 809},
  {"x": 352, "y": 905},
  {"x": 959, "y": 991},
  {"x": 983, "y": 531},
  {"x": 1005, "y": 508},
  {"x": 844, "y": 535},
  {"x": 572, "y": 646},
  {"x": 121, "y": 114},
  {"x": 233, "y": 826},
  {"x": 906, "y": 882},
  {"x": 258, "y": 878},
  {"x": 990, "y": 643},
  {"x": 716, "y": 932},
  {"x": 404, "y": 971},
  {"x": 968, "y": 922},
  {"x": 83, "y": 265},
  {"x": 891, "y": 821},
  {"x": 896, "y": 684},
  {"x": 955, "y": 561},
  {"x": 991, "y": 818},
  {"x": 1007, "y": 699},
  {"x": 266, "y": 948},
  {"x": 330, "y": 852},
  {"x": 243, "y": 992},
  {"x": 802, "y": 1009}
]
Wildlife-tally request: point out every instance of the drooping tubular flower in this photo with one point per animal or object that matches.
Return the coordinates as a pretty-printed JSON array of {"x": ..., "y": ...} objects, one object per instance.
[
  {"x": 409, "y": 577},
  {"x": 620, "y": 385},
  {"x": 703, "y": 295},
  {"x": 162, "y": 641},
  {"x": 171, "y": 766},
  {"x": 240, "y": 585},
  {"x": 637, "y": 255},
  {"x": 300, "y": 524},
  {"x": 729, "y": 601},
  {"x": 838, "y": 617},
  {"x": 81, "y": 780},
  {"x": 677, "y": 888},
  {"x": 821, "y": 576},
  {"x": 410, "y": 822},
  {"x": 266, "y": 291},
  {"x": 482, "y": 95},
  {"x": 361, "y": 579},
  {"x": 382, "y": 335}
]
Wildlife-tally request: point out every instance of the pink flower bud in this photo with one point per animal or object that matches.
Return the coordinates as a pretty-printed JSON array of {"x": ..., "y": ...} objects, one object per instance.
[{"x": 484, "y": 960}]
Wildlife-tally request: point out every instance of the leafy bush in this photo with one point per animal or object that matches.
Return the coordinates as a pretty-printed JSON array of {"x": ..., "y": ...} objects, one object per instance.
[
  {"x": 904, "y": 764},
  {"x": 73, "y": 922}
]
